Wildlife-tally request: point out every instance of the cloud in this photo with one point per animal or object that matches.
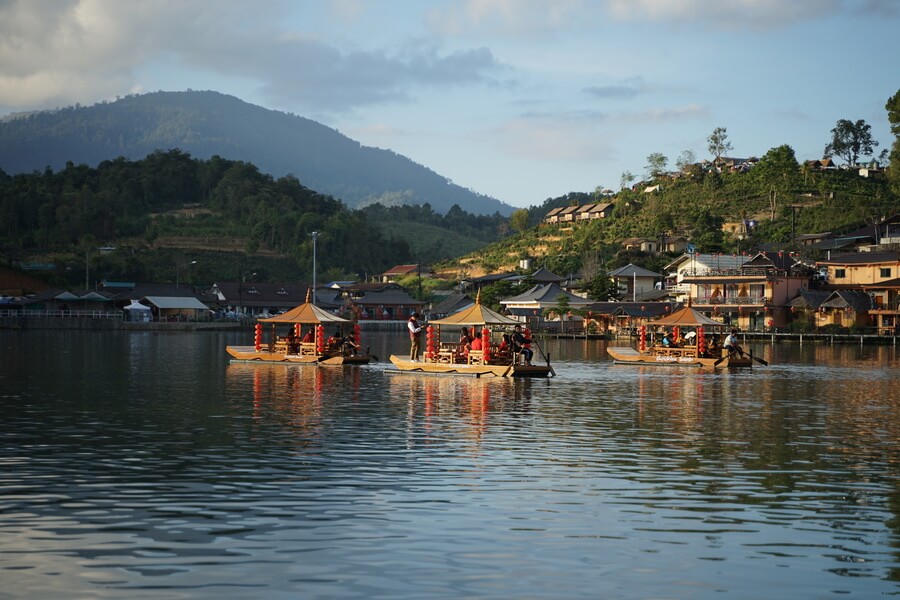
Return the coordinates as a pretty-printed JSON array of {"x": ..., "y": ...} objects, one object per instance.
[
  {"x": 880, "y": 8},
  {"x": 665, "y": 115},
  {"x": 615, "y": 91},
  {"x": 556, "y": 138},
  {"x": 318, "y": 76},
  {"x": 529, "y": 17},
  {"x": 506, "y": 17},
  {"x": 724, "y": 14},
  {"x": 585, "y": 136},
  {"x": 78, "y": 50}
]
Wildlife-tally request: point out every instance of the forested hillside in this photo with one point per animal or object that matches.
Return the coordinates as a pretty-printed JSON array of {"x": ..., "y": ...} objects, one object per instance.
[
  {"x": 767, "y": 206},
  {"x": 207, "y": 124},
  {"x": 224, "y": 218}
]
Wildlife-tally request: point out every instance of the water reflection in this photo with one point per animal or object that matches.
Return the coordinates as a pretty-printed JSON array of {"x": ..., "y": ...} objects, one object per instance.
[{"x": 148, "y": 465}]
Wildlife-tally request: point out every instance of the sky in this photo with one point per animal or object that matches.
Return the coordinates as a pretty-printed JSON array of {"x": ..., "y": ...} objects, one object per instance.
[{"x": 522, "y": 100}]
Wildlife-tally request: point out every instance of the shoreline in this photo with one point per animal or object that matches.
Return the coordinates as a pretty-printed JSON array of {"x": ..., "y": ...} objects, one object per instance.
[{"x": 20, "y": 323}]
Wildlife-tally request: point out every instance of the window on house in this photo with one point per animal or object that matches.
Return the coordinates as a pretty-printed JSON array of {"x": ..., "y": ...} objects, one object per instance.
[
  {"x": 840, "y": 273},
  {"x": 885, "y": 272}
]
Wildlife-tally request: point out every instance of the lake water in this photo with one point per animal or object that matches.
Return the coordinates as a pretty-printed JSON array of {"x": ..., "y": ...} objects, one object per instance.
[{"x": 144, "y": 465}]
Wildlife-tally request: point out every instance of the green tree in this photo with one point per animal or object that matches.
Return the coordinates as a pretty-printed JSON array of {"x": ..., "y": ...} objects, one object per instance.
[
  {"x": 851, "y": 140},
  {"x": 518, "y": 220},
  {"x": 656, "y": 164},
  {"x": 626, "y": 179},
  {"x": 601, "y": 288},
  {"x": 561, "y": 308},
  {"x": 491, "y": 295},
  {"x": 779, "y": 172},
  {"x": 685, "y": 160},
  {"x": 718, "y": 143},
  {"x": 893, "y": 108}
]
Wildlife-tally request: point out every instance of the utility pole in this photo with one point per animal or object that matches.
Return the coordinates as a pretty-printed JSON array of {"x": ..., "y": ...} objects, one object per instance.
[
  {"x": 315, "y": 237},
  {"x": 419, "y": 277}
]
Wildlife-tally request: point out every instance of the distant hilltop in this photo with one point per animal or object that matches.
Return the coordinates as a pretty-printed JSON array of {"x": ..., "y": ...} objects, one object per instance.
[{"x": 207, "y": 123}]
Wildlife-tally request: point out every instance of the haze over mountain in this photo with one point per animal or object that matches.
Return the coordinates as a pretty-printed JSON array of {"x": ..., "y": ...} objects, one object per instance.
[{"x": 206, "y": 123}]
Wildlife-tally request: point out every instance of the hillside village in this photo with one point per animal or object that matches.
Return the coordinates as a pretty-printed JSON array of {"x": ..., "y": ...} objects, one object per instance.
[
  {"x": 854, "y": 287},
  {"x": 672, "y": 227}
]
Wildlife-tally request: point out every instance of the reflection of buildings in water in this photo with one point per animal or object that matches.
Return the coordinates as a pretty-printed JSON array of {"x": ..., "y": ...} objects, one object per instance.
[
  {"x": 432, "y": 401},
  {"x": 854, "y": 355},
  {"x": 294, "y": 395}
]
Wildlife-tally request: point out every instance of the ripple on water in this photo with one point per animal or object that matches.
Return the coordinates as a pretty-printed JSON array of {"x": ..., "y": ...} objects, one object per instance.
[{"x": 276, "y": 481}]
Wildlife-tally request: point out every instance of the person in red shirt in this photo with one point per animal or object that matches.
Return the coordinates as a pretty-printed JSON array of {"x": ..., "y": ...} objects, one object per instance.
[{"x": 477, "y": 343}]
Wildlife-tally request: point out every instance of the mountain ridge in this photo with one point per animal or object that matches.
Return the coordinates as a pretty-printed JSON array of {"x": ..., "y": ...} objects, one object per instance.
[{"x": 208, "y": 123}]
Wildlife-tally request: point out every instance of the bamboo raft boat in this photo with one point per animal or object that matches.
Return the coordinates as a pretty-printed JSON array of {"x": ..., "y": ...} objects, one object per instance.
[
  {"x": 448, "y": 359},
  {"x": 339, "y": 350}
]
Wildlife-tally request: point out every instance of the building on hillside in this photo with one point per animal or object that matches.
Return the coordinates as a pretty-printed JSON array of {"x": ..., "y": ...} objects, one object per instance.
[
  {"x": 809, "y": 239},
  {"x": 845, "y": 308},
  {"x": 625, "y": 317},
  {"x": 641, "y": 244},
  {"x": 877, "y": 274},
  {"x": 531, "y": 304},
  {"x": 635, "y": 283},
  {"x": 69, "y": 303},
  {"x": 885, "y": 310},
  {"x": 477, "y": 283},
  {"x": 756, "y": 295},
  {"x": 673, "y": 244},
  {"x": 596, "y": 210},
  {"x": 697, "y": 263},
  {"x": 823, "y": 164},
  {"x": 391, "y": 304},
  {"x": 400, "y": 271},
  {"x": 453, "y": 303},
  {"x": 552, "y": 217},
  {"x": 874, "y": 238},
  {"x": 254, "y": 299},
  {"x": 804, "y": 307},
  {"x": 567, "y": 215},
  {"x": 855, "y": 269},
  {"x": 726, "y": 163},
  {"x": 543, "y": 275}
]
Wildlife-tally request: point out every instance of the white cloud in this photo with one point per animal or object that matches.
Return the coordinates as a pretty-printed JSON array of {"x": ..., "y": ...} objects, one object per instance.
[
  {"x": 82, "y": 50},
  {"x": 549, "y": 139},
  {"x": 505, "y": 17},
  {"x": 724, "y": 14},
  {"x": 665, "y": 115}
]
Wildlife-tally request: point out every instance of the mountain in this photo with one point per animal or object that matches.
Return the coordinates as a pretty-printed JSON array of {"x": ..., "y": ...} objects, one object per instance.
[{"x": 206, "y": 123}]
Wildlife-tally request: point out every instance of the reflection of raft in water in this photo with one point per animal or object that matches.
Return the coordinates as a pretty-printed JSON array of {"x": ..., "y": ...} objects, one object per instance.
[
  {"x": 289, "y": 349},
  {"x": 678, "y": 357},
  {"x": 475, "y": 370},
  {"x": 281, "y": 354}
]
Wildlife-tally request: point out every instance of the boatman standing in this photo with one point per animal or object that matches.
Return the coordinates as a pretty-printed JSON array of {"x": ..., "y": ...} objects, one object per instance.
[
  {"x": 731, "y": 343},
  {"x": 415, "y": 336}
]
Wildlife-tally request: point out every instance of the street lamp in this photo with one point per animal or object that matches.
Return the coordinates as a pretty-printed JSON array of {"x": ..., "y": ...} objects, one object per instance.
[
  {"x": 243, "y": 279},
  {"x": 315, "y": 236},
  {"x": 178, "y": 270}
]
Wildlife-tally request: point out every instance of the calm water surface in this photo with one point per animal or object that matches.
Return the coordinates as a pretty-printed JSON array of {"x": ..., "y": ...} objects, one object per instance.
[{"x": 144, "y": 465}]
